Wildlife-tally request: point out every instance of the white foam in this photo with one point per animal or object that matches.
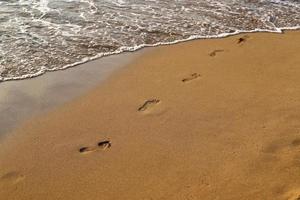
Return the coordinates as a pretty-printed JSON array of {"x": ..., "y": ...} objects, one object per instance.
[{"x": 43, "y": 6}]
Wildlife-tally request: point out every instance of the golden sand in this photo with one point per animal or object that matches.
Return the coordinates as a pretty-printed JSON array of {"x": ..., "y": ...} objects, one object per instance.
[{"x": 215, "y": 119}]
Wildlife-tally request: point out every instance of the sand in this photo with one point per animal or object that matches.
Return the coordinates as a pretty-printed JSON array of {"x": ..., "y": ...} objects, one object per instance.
[{"x": 213, "y": 119}]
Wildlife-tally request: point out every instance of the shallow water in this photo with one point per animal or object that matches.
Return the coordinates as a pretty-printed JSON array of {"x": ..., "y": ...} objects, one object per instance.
[{"x": 45, "y": 35}]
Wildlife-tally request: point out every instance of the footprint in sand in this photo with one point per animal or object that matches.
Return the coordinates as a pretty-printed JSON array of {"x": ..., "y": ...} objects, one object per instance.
[
  {"x": 214, "y": 53},
  {"x": 191, "y": 77},
  {"x": 148, "y": 104},
  {"x": 12, "y": 177},
  {"x": 100, "y": 146},
  {"x": 243, "y": 39}
]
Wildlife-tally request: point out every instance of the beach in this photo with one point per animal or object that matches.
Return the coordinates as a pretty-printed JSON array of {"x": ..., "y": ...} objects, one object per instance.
[{"x": 213, "y": 119}]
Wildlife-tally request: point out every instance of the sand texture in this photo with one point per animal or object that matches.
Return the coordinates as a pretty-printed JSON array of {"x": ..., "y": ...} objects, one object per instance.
[{"x": 215, "y": 119}]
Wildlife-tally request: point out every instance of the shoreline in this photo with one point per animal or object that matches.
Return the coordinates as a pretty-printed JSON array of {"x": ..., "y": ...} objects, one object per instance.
[
  {"x": 205, "y": 119},
  {"x": 142, "y": 46}
]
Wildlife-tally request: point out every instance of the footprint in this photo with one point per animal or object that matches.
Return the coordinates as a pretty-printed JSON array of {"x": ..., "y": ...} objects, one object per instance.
[
  {"x": 243, "y": 39},
  {"x": 100, "y": 146},
  {"x": 149, "y": 103},
  {"x": 214, "y": 53},
  {"x": 12, "y": 177},
  {"x": 191, "y": 77}
]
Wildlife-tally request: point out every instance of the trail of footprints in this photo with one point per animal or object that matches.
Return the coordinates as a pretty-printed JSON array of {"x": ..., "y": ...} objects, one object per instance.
[
  {"x": 150, "y": 103},
  {"x": 15, "y": 177}
]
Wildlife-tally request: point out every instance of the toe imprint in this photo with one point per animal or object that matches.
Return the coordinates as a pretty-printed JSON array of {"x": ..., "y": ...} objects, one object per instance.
[{"x": 104, "y": 144}]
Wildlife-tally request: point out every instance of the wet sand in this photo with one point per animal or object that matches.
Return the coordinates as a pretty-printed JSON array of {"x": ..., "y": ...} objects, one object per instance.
[
  {"x": 23, "y": 99},
  {"x": 206, "y": 119}
]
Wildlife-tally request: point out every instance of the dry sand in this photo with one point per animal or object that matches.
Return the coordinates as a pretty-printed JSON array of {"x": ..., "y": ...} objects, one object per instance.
[{"x": 210, "y": 119}]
